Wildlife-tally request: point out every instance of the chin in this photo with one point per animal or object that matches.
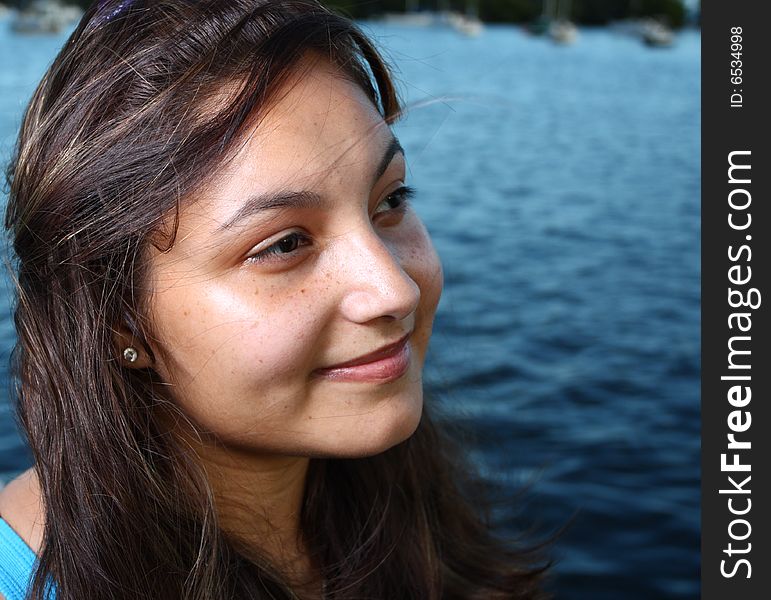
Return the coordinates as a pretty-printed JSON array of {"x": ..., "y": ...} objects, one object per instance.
[{"x": 387, "y": 428}]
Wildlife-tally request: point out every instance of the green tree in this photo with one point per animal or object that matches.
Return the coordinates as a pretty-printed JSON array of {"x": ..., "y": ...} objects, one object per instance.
[
  {"x": 589, "y": 12},
  {"x": 600, "y": 12},
  {"x": 515, "y": 11}
]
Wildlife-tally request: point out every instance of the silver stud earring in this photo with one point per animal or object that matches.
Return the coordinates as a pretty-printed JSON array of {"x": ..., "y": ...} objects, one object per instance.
[{"x": 130, "y": 354}]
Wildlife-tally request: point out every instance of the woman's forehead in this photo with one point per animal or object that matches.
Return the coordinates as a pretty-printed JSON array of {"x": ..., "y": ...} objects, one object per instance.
[{"x": 321, "y": 124}]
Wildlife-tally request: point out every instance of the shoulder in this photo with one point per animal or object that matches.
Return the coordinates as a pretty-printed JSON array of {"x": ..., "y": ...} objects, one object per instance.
[{"x": 21, "y": 508}]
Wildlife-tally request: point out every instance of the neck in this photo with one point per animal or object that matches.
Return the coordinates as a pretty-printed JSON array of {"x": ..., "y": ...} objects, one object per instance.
[{"x": 259, "y": 498}]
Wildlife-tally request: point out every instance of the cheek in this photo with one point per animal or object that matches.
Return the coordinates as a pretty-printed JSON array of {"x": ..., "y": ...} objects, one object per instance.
[
  {"x": 421, "y": 262},
  {"x": 242, "y": 333}
]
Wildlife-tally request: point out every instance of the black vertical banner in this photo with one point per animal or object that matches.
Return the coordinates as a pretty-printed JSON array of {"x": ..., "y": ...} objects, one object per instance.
[{"x": 736, "y": 297}]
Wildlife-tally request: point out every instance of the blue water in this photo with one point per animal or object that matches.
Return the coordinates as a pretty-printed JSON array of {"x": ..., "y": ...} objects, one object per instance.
[{"x": 561, "y": 188}]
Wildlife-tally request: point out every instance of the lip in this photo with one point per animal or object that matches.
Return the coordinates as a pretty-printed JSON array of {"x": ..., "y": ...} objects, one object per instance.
[{"x": 385, "y": 364}]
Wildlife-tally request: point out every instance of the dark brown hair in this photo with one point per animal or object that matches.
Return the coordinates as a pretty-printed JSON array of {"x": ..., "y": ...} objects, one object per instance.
[{"x": 114, "y": 139}]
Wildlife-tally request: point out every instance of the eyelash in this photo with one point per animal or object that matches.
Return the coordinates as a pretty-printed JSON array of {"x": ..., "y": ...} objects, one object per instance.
[{"x": 402, "y": 196}]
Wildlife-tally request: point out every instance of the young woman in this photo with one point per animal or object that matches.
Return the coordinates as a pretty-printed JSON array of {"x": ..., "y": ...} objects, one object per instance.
[{"x": 224, "y": 305}]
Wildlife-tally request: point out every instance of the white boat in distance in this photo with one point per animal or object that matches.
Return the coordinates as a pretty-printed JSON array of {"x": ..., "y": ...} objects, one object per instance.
[
  {"x": 563, "y": 32},
  {"x": 467, "y": 24},
  {"x": 654, "y": 33},
  {"x": 555, "y": 22}
]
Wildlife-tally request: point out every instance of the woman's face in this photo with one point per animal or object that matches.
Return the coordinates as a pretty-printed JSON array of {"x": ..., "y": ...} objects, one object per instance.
[{"x": 302, "y": 254}]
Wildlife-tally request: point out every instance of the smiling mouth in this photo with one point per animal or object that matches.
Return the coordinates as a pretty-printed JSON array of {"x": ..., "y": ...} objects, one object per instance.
[{"x": 385, "y": 364}]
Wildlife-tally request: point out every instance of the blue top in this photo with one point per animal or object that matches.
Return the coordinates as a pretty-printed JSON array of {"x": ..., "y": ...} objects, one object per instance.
[{"x": 17, "y": 564}]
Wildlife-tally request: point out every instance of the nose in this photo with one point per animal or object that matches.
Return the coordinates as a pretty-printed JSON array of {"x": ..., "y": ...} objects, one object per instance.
[{"x": 375, "y": 283}]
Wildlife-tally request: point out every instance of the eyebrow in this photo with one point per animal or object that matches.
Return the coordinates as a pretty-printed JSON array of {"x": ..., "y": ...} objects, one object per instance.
[
  {"x": 394, "y": 148},
  {"x": 300, "y": 199}
]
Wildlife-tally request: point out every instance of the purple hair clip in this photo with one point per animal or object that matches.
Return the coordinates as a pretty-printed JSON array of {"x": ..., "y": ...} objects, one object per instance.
[{"x": 123, "y": 5}]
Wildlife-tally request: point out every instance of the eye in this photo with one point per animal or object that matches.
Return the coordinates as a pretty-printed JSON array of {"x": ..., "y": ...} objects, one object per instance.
[
  {"x": 397, "y": 201},
  {"x": 283, "y": 249}
]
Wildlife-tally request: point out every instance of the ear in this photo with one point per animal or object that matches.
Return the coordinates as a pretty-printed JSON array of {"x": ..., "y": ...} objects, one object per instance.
[{"x": 129, "y": 351}]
